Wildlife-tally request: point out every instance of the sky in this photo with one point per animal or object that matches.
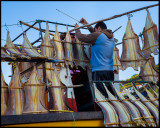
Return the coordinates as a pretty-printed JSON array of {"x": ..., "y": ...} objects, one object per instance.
[{"x": 28, "y": 11}]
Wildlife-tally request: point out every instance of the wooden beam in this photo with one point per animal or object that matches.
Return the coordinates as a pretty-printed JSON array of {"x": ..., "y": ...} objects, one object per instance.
[
  {"x": 34, "y": 27},
  {"x": 115, "y": 16}
]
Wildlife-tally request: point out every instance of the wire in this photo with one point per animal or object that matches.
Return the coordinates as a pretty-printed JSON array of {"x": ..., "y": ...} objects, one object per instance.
[{"x": 15, "y": 24}]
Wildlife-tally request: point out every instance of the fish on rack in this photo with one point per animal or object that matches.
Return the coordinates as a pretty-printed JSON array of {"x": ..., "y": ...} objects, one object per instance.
[
  {"x": 142, "y": 108},
  {"x": 151, "y": 37},
  {"x": 59, "y": 51},
  {"x": 57, "y": 92},
  {"x": 4, "y": 95},
  {"x": 153, "y": 99},
  {"x": 34, "y": 95},
  {"x": 133, "y": 110},
  {"x": 110, "y": 115},
  {"x": 29, "y": 50},
  {"x": 10, "y": 47},
  {"x": 116, "y": 60},
  {"x": 153, "y": 109},
  {"x": 5, "y": 55},
  {"x": 16, "y": 94},
  {"x": 68, "y": 52},
  {"x": 122, "y": 111},
  {"x": 131, "y": 53},
  {"x": 149, "y": 72},
  {"x": 79, "y": 57}
]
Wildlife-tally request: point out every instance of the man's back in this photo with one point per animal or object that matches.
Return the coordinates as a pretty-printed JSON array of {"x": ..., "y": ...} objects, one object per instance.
[{"x": 102, "y": 53}]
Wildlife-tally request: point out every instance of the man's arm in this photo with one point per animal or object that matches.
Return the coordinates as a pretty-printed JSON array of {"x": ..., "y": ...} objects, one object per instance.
[
  {"x": 91, "y": 38},
  {"x": 84, "y": 22}
]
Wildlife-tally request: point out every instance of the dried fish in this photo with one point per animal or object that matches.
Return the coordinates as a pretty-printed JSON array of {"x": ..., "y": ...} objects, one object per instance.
[
  {"x": 29, "y": 50},
  {"x": 34, "y": 94},
  {"x": 116, "y": 60},
  {"x": 110, "y": 115},
  {"x": 149, "y": 105},
  {"x": 125, "y": 118},
  {"x": 149, "y": 72},
  {"x": 5, "y": 55},
  {"x": 134, "y": 112},
  {"x": 142, "y": 108},
  {"x": 4, "y": 95},
  {"x": 68, "y": 53},
  {"x": 16, "y": 94},
  {"x": 131, "y": 53},
  {"x": 153, "y": 99},
  {"x": 79, "y": 57},
  {"x": 151, "y": 37},
  {"x": 59, "y": 51},
  {"x": 57, "y": 92},
  {"x": 14, "y": 50}
]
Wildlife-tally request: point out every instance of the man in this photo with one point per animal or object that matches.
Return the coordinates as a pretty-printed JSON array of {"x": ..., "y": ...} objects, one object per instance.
[{"x": 102, "y": 49}]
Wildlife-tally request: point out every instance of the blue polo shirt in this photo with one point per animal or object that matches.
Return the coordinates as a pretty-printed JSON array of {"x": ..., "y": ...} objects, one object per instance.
[{"x": 102, "y": 53}]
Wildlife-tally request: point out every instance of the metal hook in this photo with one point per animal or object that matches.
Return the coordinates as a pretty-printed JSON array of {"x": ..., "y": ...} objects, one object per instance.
[
  {"x": 129, "y": 15},
  {"x": 7, "y": 29}
]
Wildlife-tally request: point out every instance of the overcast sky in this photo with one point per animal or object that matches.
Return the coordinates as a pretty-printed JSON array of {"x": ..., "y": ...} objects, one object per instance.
[{"x": 14, "y": 11}]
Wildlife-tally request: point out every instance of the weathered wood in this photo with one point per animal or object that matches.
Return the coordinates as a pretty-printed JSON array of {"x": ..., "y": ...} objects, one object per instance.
[
  {"x": 115, "y": 16},
  {"x": 34, "y": 27}
]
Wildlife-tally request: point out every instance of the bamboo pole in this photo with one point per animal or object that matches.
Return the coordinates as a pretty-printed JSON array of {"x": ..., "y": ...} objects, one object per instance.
[
  {"x": 34, "y": 27},
  {"x": 115, "y": 16}
]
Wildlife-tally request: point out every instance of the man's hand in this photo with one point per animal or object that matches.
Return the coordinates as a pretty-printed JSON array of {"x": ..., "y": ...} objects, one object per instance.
[
  {"x": 76, "y": 25},
  {"x": 83, "y": 21}
]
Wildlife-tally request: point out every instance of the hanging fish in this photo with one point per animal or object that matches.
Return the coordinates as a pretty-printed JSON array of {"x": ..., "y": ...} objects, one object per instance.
[
  {"x": 125, "y": 119},
  {"x": 149, "y": 72},
  {"x": 149, "y": 105},
  {"x": 110, "y": 115},
  {"x": 65, "y": 77},
  {"x": 142, "y": 108},
  {"x": 16, "y": 94},
  {"x": 5, "y": 55},
  {"x": 79, "y": 57},
  {"x": 59, "y": 51},
  {"x": 57, "y": 92},
  {"x": 131, "y": 53},
  {"x": 14, "y": 50},
  {"x": 68, "y": 49},
  {"x": 152, "y": 98},
  {"x": 34, "y": 94},
  {"x": 29, "y": 50},
  {"x": 151, "y": 37},
  {"x": 47, "y": 50},
  {"x": 134, "y": 112},
  {"x": 4, "y": 95},
  {"x": 116, "y": 60}
]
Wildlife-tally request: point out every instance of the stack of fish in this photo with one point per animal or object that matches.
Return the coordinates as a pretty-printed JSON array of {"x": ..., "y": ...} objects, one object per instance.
[
  {"x": 34, "y": 94},
  {"x": 4, "y": 95},
  {"x": 151, "y": 37},
  {"x": 130, "y": 112},
  {"x": 16, "y": 94},
  {"x": 57, "y": 94},
  {"x": 149, "y": 72},
  {"x": 131, "y": 52}
]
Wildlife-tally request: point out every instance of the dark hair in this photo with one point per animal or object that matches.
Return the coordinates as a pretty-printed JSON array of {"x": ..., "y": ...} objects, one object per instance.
[{"x": 101, "y": 24}]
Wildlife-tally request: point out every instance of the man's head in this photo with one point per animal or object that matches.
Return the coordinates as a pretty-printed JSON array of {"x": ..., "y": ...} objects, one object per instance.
[{"x": 99, "y": 26}]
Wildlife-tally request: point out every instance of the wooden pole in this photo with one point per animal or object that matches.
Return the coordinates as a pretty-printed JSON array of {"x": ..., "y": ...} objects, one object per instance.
[
  {"x": 115, "y": 16},
  {"x": 34, "y": 27}
]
